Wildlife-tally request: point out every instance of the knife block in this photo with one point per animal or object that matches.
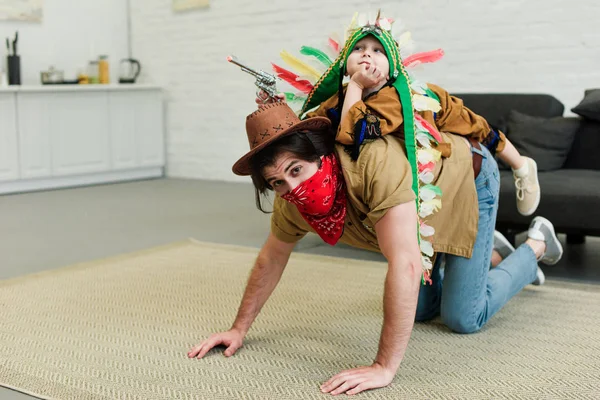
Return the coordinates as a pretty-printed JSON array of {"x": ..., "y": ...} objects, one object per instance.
[{"x": 14, "y": 70}]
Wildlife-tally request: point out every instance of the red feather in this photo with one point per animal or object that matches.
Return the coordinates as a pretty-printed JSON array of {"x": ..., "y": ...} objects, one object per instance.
[
  {"x": 427, "y": 277},
  {"x": 430, "y": 166},
  {"x": 334, "y": 45},
  {"x": 432, "y": 130},
  {"x": 301, "y": 84},
  {"x": 422, "y": 58}
]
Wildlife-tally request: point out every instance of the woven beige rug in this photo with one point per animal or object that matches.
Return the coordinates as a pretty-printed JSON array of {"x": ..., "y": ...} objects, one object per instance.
[{"x": 120, "y": 329}]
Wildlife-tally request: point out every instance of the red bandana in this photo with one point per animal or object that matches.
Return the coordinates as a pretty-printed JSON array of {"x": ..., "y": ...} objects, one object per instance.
[{"x": 321, "y": 200}]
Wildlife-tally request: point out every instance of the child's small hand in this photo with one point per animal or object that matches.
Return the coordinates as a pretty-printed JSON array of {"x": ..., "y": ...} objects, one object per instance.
[
  {"x": 368, "y": 77},
  {"x": 263, "y": 98}
]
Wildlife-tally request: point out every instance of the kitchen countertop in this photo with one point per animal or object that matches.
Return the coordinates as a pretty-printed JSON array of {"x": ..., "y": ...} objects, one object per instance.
[{"x": 76, "y": 88}]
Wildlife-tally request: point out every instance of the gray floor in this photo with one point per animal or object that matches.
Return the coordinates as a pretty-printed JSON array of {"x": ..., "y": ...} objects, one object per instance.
[{"x": 46, "y": 230}]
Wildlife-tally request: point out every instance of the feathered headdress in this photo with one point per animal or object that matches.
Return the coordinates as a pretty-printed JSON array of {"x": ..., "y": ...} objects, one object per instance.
[{"x": 414, "y": 96}]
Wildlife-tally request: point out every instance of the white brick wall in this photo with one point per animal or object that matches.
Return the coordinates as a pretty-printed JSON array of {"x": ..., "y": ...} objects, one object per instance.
[{"x": 544, "y": 46}]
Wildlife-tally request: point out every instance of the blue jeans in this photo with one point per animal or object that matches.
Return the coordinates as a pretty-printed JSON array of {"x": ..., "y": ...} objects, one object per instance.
[{"x": 468, "y": 293}]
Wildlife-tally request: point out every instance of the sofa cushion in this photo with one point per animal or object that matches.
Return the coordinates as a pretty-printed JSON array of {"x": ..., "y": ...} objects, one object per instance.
[
  {"x": 590, "y": 105},
  {"x": 494, "y": 107},
  {"x": 585, "y": 151},
  {"x": 546, "y": 140},
  {"x": 570, "y": 199}
]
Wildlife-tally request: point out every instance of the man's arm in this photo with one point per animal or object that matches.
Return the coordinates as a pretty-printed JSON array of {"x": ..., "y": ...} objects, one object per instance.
[
  {"x": 265, "y": 275},
  {"x": 397, "y": 237}
]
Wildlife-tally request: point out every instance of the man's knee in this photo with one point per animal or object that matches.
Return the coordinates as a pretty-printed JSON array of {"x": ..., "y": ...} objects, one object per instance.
[{"x": 461, "y": 323}]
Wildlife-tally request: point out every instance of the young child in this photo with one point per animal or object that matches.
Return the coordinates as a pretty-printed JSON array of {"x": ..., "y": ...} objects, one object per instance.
[
  {"x": 382, "y": 98},
  {"x": 371, "y": 104},
  {"x": 370, "y": 107}
]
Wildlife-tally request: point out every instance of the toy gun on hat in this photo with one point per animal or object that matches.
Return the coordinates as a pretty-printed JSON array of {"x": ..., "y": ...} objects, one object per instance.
[{"x": 264, "y": 82}]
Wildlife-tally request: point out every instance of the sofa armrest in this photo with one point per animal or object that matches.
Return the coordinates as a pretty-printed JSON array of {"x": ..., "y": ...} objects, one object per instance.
[{"x": 585, "y": 151}]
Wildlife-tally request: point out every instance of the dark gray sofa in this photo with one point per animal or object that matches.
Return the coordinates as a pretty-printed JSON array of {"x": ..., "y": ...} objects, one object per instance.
[{"x": 570, "y": 195}]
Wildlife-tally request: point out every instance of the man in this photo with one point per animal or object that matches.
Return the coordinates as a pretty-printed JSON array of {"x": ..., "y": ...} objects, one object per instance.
[{"x": 369, "y": 203}]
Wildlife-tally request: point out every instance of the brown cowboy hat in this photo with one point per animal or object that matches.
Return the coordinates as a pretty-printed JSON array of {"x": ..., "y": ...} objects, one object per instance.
[{"x": 272, "y": 122}]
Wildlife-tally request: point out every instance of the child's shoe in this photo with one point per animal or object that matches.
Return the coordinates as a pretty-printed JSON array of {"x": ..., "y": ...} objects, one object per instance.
[{"x": 528, "y": 187}]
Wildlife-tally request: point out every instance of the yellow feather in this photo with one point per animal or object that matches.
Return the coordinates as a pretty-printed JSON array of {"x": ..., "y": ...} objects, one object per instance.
[
  {"x": 424, "y": 103},
  {"x": 437, "y": 204},
  {"x": 404, "y": 39},
  {"x": 352, "y": 25},
  {"x": 299, "y": 67},
  {"x": 436, "y": 155}
]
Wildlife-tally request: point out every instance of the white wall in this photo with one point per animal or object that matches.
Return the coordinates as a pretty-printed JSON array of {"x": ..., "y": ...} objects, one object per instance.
[
  {"x": 71, "y": 33},
  {"x": 546, "y": 46}
]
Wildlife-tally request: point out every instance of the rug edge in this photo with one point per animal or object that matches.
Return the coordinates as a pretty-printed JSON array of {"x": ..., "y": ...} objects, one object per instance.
[
  {"x": 94, "y": 262},
  {"x": 27, "y": 392}
]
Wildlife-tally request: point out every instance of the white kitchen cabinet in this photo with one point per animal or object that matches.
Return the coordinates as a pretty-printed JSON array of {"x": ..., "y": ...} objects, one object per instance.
[
  {"x": 148, "y": 115},
  {"x": 80, "y": 135},
  {"x": 34, "y": 136},
  {"x": 135, "y": 140},
  {"x": 9, "y": 159}
]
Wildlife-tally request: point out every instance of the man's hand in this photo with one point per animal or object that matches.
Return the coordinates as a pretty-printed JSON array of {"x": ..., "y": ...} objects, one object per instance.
[
  {"x": 356, "y": 380},
  {"x": 368, "y": 77},
  {"x": 232, "y": 339}
]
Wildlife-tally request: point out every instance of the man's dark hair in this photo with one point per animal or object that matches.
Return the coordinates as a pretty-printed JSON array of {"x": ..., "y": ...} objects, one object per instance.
[{"x": 306, "y": 145}]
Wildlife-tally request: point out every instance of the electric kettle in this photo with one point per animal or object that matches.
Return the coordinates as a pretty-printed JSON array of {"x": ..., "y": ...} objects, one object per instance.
[{"x": 130, "y": 70}]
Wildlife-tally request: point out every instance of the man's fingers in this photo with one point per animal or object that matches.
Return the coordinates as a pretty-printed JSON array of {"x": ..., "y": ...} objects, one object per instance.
[
  {"x": 333, "y": 383},
  {"x": 199, "y": 349},
  {"x": 208, "y": 346},
  {"x": 195, "y": 350},
  {"x": 231, "y": 350},
  {"x": 330, "y": 381},
  {"x": 192, "y": 353},
  {"x": 329, "y": 385},
  {"x": 344, "y": 387},
  {"x": 230, "y": 339},
  {"x": 358, "y": 388},
  {"x": 204, "y": 350},
  {"x": 355, "y": 381}
]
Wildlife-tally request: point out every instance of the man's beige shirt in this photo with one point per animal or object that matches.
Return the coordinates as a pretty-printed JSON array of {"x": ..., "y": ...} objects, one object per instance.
[{"x": 380, "y": 179}]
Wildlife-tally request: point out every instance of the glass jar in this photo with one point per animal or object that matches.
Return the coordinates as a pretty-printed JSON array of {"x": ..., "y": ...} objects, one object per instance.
[{"x": 93, "y": 71}]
